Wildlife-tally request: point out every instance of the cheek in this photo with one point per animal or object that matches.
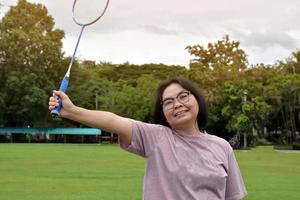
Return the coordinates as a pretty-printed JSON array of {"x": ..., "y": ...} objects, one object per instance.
[
  {"x": 167, "y": 114},
  {"x": 197, "y": 108},
  {"x": 194, "y": 107}
]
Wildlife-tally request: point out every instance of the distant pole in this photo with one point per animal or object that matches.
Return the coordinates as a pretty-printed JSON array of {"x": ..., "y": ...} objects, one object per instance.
[
  {"x": 245, "y": 96},
  {"x": 245, "y": 135}
]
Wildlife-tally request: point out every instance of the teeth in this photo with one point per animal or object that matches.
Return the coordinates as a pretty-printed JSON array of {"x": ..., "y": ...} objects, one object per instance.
[{"x": 179, "y": 113}]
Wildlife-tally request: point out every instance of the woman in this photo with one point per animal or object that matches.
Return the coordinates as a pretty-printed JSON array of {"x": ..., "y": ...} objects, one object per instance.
[{"x": 183, "y": 161}]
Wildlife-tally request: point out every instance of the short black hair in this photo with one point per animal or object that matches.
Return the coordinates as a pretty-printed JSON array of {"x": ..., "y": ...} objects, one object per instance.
[{"x": 158, "y": 115}]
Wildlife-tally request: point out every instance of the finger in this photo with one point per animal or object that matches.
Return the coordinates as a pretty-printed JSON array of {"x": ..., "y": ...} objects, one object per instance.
[
  {"x": 53, "y": 103},
  {"x": 54, "y": 93},
  {"x": 51, "y": 107},
  {"x": 59, "y": 94},
  {"x": 53, "y": 100}
]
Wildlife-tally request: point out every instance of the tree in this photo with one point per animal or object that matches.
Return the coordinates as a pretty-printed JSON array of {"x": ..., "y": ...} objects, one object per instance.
[
  {"x": 25, "y": 98},
  {"x": 30, "y": 57},
  {"x": 131, "y": 101},
  {"x": 244, "y": 107},
  {"x": 235, "y": 108},
  {"x": 289, "y": 86},
  {"x": 211, "y": 67},
  {"x": 291, "y": 65},
  {"x": 222, "y": 53},
  {"x": 140, "y": 100}
]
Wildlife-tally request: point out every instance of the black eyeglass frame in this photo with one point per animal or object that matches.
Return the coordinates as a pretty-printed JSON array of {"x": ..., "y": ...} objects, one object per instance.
[{"x": 177, "y": 98}]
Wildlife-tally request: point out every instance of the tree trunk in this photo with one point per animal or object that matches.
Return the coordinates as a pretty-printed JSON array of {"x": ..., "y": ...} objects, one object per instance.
[{"x": 245, "y": 140}]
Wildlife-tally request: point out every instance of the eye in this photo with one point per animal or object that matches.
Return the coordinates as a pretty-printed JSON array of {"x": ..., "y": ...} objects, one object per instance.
[
  {"x": 183, "y": 96},
  {"x": 168, "y": 102}
]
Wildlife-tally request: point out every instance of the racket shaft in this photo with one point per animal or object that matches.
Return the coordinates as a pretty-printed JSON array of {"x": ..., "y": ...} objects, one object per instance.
[{"x": 63, "y": 87}]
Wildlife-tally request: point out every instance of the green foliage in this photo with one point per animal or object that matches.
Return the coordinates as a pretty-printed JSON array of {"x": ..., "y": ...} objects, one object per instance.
[
  {"x": 30, "y": 52},
  {"x": 32, "y": 65},
  {"x": 29, "y": 40},
  {"x": 219, "y": 54},
  {"x": 131, "y": 72},
  {"x": 234, "y": 109},
  {"x": 263, "y": 142},
  {"x": 240, "y": 122},
  {"x": 130, "y": 100},
  {"x": 289, "y": 87},
  {"x": 138, "y": 102},
  {"x": 24, "y": 94},
  {"x": 291, "y": 65}
]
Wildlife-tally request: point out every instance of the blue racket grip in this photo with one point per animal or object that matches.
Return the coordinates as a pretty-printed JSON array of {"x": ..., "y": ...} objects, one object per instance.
[{"x": 63, "y": 87}]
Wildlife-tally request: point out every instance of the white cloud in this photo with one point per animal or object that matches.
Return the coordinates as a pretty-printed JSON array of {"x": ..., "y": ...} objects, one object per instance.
[{"x": 141, "y": 31}]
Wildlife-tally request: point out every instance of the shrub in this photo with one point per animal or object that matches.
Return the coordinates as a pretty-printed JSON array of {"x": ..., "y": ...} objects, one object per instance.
[
  {"x": 296, "y": 146},
  {"x": 263, "y": 141}
]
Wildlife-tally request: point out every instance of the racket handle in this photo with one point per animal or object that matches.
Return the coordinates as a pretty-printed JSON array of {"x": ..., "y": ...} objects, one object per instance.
[{"x": 63, "y": 87}]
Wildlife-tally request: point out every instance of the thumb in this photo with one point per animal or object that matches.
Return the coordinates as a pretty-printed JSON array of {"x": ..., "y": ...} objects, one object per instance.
[{"x": 60, "y": 94}]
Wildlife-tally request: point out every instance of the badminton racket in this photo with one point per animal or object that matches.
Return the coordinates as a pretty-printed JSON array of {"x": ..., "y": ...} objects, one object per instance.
[{"x": 65, "y": 82}]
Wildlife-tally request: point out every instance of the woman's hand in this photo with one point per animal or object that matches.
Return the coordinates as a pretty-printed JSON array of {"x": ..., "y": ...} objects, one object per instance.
[{"x": 67, "y": 105}]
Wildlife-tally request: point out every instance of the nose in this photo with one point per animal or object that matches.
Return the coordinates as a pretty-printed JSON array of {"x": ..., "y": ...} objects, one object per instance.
[{"x": 177, "y": 104}]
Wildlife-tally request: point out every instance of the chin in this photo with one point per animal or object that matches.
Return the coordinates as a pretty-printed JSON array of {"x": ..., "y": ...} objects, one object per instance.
[{"x": 183, "y": 121}]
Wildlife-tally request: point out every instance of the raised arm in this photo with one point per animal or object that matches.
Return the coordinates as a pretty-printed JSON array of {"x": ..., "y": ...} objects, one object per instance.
[{"x": 106, "y": 121}]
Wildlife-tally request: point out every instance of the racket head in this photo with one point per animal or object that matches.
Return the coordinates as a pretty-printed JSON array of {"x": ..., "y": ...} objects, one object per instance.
[{"x": 85, "y": 13}]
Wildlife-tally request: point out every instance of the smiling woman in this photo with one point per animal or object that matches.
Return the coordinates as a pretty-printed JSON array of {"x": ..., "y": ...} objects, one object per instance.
[
  {"x": 184, "y": 87},
  {"x": 183, "y": 161}
]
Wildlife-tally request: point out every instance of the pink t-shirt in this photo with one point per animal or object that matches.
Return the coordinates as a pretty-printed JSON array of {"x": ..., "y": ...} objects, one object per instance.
[{"x": 181, "y": 167}]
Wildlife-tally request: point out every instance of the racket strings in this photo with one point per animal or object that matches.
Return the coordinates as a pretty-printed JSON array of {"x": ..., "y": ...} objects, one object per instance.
[{"x": 87, "y": 16}]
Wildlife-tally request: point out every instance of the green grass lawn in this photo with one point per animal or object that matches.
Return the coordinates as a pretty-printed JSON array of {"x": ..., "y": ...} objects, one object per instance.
[
  {"x": 71, "y": 172},
  {"x": 270, "y": 175}
]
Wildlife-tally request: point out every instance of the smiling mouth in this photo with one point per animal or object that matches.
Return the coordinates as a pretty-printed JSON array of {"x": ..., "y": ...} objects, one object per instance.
[{"x": 180, "y": 112}]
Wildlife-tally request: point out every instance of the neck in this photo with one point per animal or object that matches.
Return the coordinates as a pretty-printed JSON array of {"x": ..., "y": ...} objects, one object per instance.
[{"x": 188, "y": 130}]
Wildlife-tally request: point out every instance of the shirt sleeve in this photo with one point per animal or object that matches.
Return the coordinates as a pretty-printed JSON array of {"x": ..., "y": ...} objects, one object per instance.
[
  {"x": 235, "y": 187},
  {"x": 145, "y": 137}
]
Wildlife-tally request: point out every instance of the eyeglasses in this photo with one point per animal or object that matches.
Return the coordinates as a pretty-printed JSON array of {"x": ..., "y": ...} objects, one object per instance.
[{"x": 182, "y": 97}]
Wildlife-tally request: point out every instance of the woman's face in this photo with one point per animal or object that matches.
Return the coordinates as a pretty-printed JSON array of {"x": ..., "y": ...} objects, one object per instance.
[{"x": 180, "y": 107}]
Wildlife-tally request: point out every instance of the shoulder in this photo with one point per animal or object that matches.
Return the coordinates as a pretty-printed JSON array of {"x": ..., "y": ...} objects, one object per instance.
[
  {"x": 149, "y": 127},
  {"x": 219, "y": 143}
]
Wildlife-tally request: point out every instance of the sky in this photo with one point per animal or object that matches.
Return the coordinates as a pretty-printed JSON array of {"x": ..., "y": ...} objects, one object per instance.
[{"x": 157, "y": 31}]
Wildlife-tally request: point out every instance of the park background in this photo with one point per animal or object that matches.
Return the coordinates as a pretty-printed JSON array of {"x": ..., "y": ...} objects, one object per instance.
[{"x": 249, "y": 105}]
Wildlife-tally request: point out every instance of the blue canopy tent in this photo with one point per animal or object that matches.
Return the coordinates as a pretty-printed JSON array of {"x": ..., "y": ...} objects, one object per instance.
[{"x": 30, "y": 133}]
